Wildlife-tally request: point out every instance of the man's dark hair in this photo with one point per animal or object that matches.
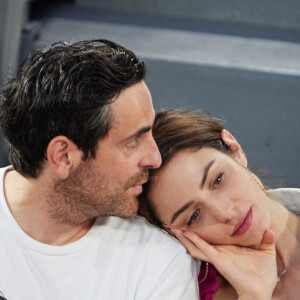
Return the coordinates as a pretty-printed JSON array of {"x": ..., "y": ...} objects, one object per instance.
[{"x": 64, "y": 89}]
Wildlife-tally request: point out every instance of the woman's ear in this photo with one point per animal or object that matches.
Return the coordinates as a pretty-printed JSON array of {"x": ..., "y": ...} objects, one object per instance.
[
  {"x": 63, "y": 156},
  {"x": 235, "y": 147}
]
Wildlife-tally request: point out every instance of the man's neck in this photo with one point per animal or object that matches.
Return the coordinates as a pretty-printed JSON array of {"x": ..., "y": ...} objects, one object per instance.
[{"x": 26, "y": 199}]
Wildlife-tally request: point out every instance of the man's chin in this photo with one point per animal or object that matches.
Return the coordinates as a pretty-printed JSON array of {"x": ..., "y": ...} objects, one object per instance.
[{"x": 131, "y": 208}]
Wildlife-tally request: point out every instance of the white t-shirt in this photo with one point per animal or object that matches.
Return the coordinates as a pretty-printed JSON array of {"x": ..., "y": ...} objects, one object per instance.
[{"x": 116, "y": 260}]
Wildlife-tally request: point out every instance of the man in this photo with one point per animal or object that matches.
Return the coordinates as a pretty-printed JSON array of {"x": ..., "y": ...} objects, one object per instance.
[{"x": 77, "y": 121}]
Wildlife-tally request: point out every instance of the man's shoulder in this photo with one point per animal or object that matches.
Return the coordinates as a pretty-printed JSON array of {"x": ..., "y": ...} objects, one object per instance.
[
  {"x": 139, "y": 229},
  {"x": 160, "y": 265},
  {"x": 138, "y": 225},
  {"x": 4, "y": 169}
]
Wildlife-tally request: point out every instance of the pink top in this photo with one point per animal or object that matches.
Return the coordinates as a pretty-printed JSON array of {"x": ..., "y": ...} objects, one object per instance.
[{"x": 209, "y": 285}]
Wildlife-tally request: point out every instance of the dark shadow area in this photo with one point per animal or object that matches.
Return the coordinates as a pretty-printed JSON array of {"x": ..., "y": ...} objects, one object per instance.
[
  {"x": 3, "y": 153},
  {"x": 38, "y": 8}
]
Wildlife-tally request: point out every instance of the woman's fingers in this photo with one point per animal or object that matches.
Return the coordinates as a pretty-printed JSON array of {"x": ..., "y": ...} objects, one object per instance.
[
  {"x": 192, "y": 249},
  {"x": 197, "y": 247},
  {"x": 268, "y": 241},
  {"x": 248, "y": 271}
]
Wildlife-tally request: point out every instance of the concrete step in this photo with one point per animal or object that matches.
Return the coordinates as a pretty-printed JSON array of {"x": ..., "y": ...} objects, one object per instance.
[
  {"x": 275, "y": 13},
  {"x": 199, "y": 48}
]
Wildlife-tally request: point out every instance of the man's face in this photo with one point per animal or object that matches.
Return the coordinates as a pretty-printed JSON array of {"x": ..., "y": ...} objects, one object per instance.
[{"x": 110, "y": 183}]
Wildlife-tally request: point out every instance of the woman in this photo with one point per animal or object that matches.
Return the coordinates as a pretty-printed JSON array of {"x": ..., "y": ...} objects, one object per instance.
[{"x": 203, "y": 193}]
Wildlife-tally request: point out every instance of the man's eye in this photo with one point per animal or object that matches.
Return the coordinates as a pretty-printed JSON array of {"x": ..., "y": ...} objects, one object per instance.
[
  {"x": 218, "y": 179},
  {"x": 195, "y": 217},
  {"x": 133, "y": 143}
]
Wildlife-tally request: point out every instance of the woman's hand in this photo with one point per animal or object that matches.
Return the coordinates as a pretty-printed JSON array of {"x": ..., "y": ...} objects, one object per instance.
[{"x": 252, "y": 273}]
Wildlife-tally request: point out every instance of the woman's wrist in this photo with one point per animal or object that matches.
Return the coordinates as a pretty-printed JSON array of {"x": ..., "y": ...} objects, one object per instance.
[
  {"x": 256, "y": 296},
  {"x": 256, "y": 293}
]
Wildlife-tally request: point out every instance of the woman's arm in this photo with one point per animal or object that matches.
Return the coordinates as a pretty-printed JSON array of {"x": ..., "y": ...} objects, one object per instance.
[{"x": 252, "y": 273}]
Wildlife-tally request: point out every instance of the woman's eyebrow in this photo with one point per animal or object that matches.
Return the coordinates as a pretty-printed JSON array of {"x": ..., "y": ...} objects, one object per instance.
[
  {"x": 206, "y": 172},
  {"x": 181, "y": 210}
]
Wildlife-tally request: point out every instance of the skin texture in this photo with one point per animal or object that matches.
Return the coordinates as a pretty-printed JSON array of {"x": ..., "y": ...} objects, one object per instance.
[
  {"x": 61, "y": 204},
  {"x": 211, "y": 194},
  {"x": 214, "y": 208},
  {"x": 239, "y": 265},
  {"x": 113, "y": 179}
]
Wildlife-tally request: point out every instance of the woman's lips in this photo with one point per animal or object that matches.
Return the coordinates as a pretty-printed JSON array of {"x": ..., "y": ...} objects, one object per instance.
[{"x": 243, "y": 224}]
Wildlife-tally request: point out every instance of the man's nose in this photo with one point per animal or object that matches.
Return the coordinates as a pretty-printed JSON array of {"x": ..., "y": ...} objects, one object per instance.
[
  {"x": 151, "y": 158},
  {"x": 222, "y": 209}
]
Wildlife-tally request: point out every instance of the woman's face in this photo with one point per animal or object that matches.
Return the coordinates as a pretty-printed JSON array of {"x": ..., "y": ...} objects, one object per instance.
[{"x": 212, "y": 194}]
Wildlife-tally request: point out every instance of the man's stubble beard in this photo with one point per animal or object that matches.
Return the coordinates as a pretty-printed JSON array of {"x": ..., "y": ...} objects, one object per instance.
[{"x": 87, "y": 194}]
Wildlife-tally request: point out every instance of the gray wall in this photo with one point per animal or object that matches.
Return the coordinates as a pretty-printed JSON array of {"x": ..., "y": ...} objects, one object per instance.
[
  {"x": 285, "y": 14},
  {"x": 11, "y": 22},
  {"x": 261, "y": 110}
]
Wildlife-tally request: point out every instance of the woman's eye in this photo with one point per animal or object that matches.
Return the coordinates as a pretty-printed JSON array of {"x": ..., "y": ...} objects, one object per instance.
[
  {"x": 218, "y": 179},
  {"x": 195, "y": 216}
]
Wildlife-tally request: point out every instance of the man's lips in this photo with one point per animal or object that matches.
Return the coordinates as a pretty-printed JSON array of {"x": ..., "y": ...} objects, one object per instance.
[
  {"x": 243, "y": 224},
  {"x": 138, "y": 188},
  {"x": 141, "y": 183}
]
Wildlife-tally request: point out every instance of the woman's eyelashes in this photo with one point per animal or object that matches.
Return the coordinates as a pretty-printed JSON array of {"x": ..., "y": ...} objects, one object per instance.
[
  {"x": 194, "y": 217},
  {"x": 218, "y": 180}
]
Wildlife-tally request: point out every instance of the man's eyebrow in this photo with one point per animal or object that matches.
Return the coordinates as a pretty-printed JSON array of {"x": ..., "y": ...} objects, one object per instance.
[
  {"x": 138, "y": 133},
  {"x": 181, "y": 210},
  {"x": 206, "y": 172}
]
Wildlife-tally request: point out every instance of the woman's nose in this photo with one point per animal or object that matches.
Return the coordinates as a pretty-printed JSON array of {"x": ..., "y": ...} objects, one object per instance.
[{"x": 222, "y": 209}]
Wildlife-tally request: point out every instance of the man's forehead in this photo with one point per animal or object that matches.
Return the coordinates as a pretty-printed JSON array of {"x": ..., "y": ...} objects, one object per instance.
[
  {"x": 133, "y": 105},
  {"x": 132, "y": 111}
]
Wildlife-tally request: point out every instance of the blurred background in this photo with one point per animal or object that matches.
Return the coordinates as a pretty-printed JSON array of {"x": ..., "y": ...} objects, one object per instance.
[{"x": 237, "y": 60}]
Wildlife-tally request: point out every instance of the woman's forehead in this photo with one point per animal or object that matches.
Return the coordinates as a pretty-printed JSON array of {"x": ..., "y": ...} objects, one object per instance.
[
  {"x": 175, "y": 177},
  {"x": 189, "y": 159},
  {"x": 183, "y": 172}
]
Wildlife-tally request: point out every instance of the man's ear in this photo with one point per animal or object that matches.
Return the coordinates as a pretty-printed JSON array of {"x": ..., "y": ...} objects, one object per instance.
[
  {"x": 63, "y": 156},
  {"x": 235, "y": 147}
]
